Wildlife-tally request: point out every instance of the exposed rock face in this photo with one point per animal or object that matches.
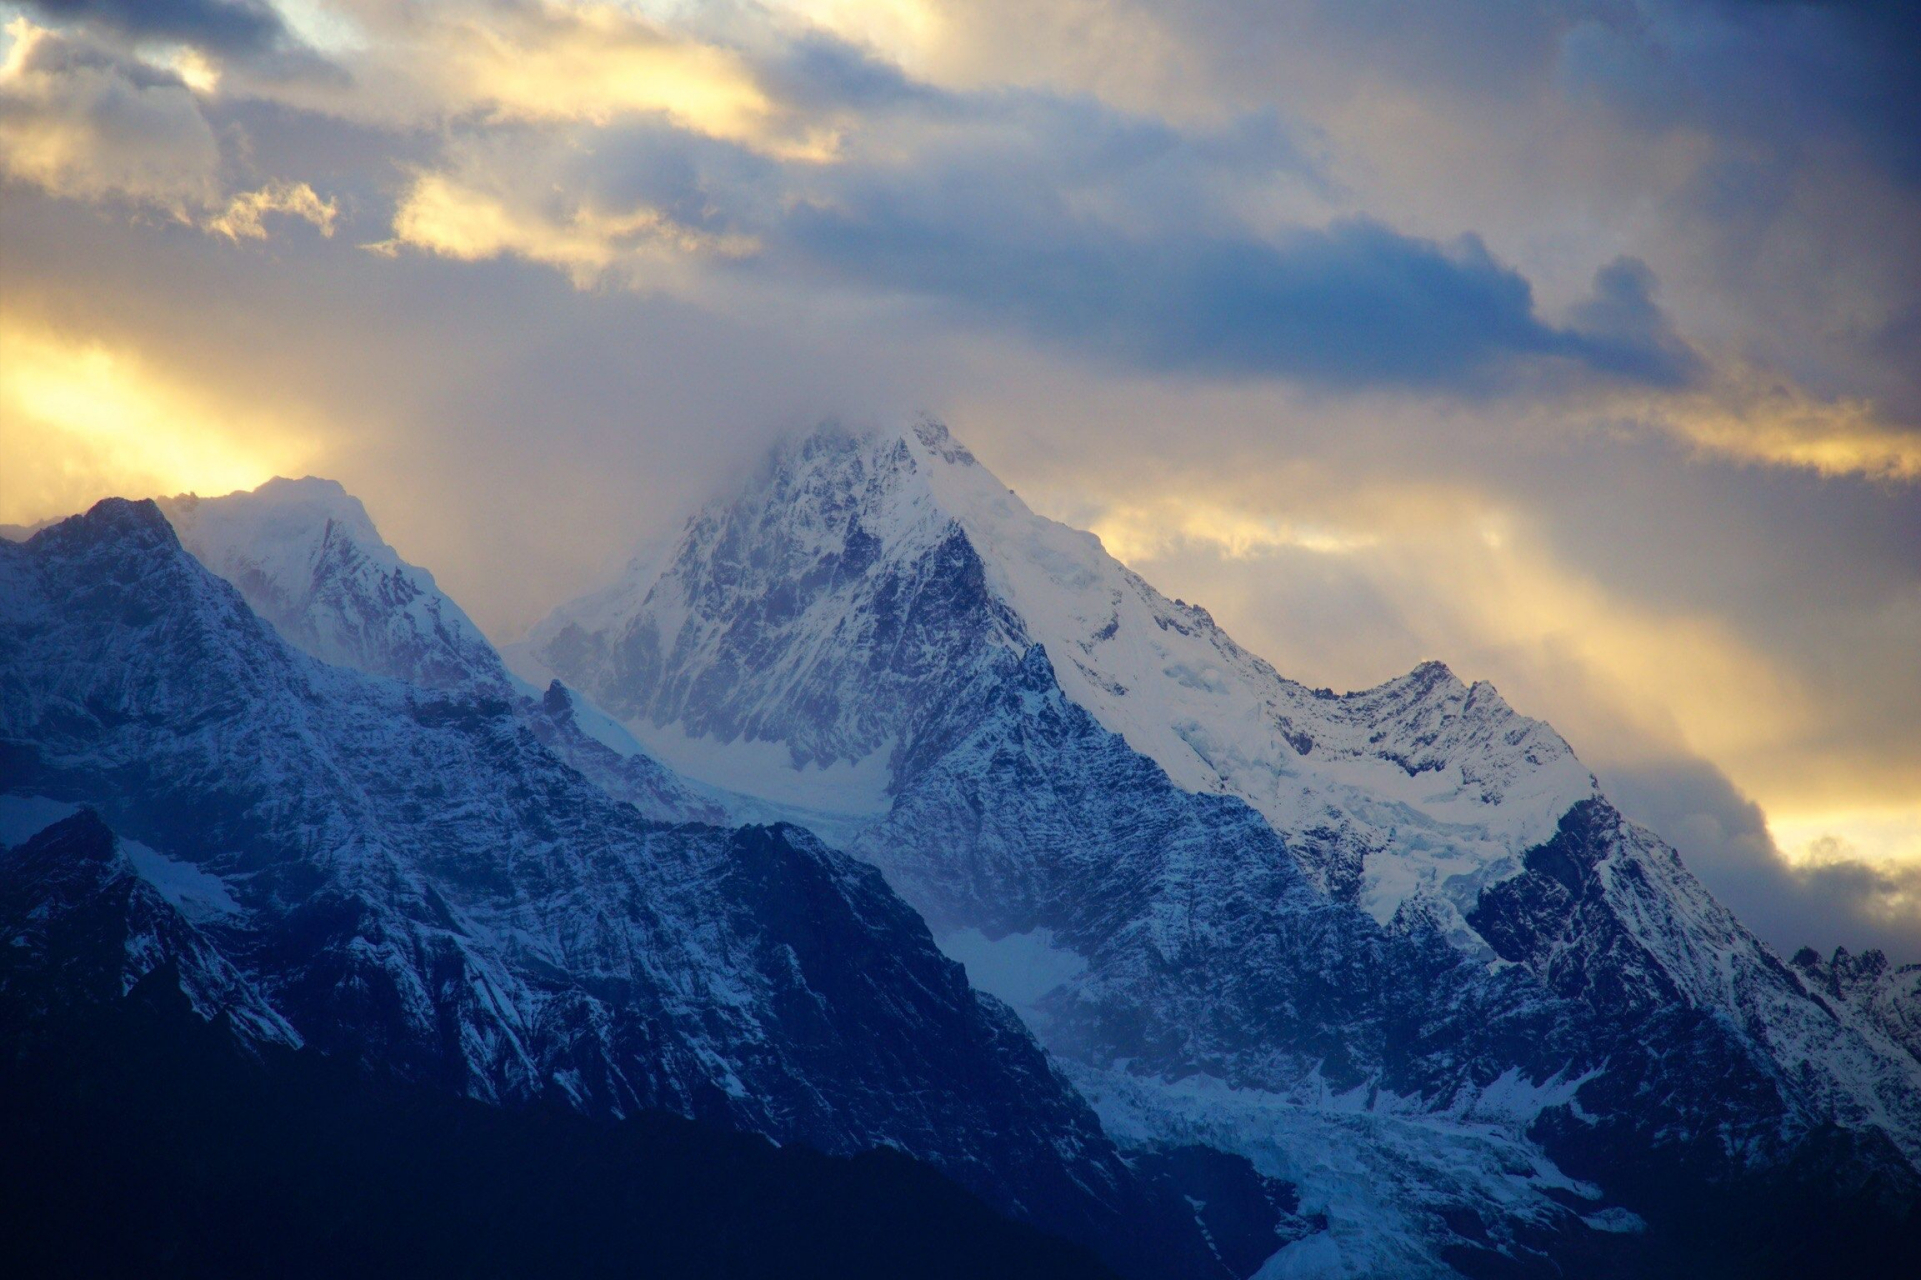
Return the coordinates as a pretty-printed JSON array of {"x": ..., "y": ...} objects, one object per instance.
[
  {"x": 417, "y": 883},
  {"x": 1887, "y": 997},
  {"x": 84, "y": 927},
  {"x": 1393, "y": 946}
]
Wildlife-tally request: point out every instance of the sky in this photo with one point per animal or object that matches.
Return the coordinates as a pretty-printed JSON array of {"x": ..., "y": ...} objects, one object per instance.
[{"x": 1575, "y": 344}]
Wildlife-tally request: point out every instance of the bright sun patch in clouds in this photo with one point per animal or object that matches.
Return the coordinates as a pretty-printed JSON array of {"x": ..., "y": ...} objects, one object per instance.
[
  {"x": 1146, "y": 531},
  {"x": 1760, "y": 420},
  {"x": 596, "y": 62},
  {"x": 80, "y": 420},
  {"x": 1888, "y": 836}
]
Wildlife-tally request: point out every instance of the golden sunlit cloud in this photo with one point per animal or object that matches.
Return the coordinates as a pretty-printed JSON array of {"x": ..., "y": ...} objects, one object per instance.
[
  {"x": 1885, "y": 836},
  {"x": 97, "y": 127},
  {"x": 1760, "y": 420},
  {"x": 80, "y": 421},
  {"x": 88, "y": 124},
  {"x": 594, "y": 62},
  {"x": 443, "y": 216},
  {"x": 242, "y": 218}
]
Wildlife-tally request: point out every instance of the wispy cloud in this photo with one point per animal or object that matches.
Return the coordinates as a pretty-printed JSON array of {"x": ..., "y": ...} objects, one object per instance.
[{"x": 242, "y": 218}]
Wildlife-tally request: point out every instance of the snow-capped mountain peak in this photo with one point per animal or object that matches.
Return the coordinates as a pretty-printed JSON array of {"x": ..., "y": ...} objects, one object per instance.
[
  {"x": 1390, "y": 948},
  {"x": 816, "y": 613},
  {"x": 308, "y": 558},
  {"x": 1163, "y": 675}
]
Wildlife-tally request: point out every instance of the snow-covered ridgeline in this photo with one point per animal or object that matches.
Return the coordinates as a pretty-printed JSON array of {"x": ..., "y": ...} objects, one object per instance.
[
  {"x": 817, "y": 615},
  {"x": 1866, "y": 987},
  {"x": 135, "y": 909},
  {"x": 879, "y": 640}
]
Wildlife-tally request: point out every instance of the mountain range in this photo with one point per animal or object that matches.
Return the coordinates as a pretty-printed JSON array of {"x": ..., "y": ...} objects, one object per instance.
[{"x": 882, "y": 811}]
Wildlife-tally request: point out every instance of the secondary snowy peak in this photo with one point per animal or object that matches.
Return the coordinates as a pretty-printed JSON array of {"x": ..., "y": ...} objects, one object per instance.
[
  {"x": 813, "y": 612},
  {"x": 305, "y": 556},
  {"x": 308, "y": 559},
  {"x": 1607, "y": 915},
  {"x": 858, "y": 580},
  {"x": 1164, "y": 676}
]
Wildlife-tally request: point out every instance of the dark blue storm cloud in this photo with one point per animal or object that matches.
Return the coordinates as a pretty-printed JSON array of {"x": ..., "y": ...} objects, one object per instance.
[
  {"x": 990, "y": 219},
  {"x": 1851, "y": 67},
  {"x": 816, "y": 70},
  {"x": 223, "y": 25},
  {"x": 1352, "y": 304},
  {"x": 1797, "y": 121}
]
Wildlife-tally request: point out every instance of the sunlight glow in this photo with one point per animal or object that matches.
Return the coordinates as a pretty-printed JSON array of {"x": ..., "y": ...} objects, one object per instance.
[
  {"x": 1767, "y": 421},
  {"x": 1881, "y": 836},
  {"x": 1621, "y": 681},
  {"x": 1149, "y": 531},
  {"x": 195, "y": 70},
  {"x": 80, "y": 421}
]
